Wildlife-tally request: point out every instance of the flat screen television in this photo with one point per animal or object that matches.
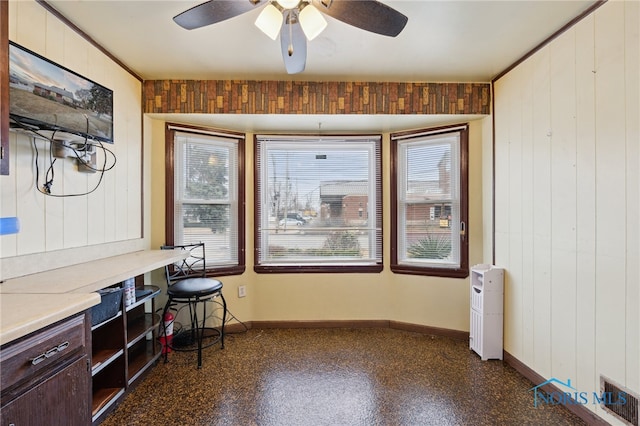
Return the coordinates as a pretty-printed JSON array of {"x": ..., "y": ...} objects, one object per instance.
[{"x": 48, "y": 96}]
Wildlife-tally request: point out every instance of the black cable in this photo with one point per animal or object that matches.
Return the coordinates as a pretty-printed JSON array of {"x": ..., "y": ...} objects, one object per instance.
[
  {"x": 50, "y": 171},
  {"x": 105, "y": 151},
  {"x": 49, "y": 176},
  {"x": 232, "y": 317}
]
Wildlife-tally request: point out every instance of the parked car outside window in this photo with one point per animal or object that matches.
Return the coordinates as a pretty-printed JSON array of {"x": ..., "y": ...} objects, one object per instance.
[
  {"x": 296, "y": 216},
  {"x": 290, "y": 222}
]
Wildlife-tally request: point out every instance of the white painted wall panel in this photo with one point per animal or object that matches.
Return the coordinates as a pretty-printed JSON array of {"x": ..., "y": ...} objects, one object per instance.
[
  {"x": 542, "y": 212},
  {"x": 487, "y": 190},
  {"x": 513, "y": 292},
  {"x": 29, "y": 205},
  {"x": 29, "y": 17},
  {"x": 632, "y": 120},
  {"x": 585, "y": 203},
  {"x": 563, "y": 205},
  {"x": 8, "y": 205},
  {"x": 528, "y": 213},
  {"x": 54, "y": 227},
  {"x": 610, "y": 189},
  {"x": 96, "y": 208},
  {"x": 501, "y": 182}
]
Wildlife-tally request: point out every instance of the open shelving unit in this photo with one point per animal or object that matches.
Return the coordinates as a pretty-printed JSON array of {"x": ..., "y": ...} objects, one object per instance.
[
  {"x": 124, "y": 347},
  {"x": 143, "y": 349}
]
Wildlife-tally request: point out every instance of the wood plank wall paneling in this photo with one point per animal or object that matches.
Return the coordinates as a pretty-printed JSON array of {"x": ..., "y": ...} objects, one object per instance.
[
  {"x": 306, "y": 97},
  {"x": 566, "y": 202}
]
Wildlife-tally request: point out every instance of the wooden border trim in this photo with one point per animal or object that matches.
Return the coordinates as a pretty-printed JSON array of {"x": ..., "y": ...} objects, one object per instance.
[
  {"x": 394, "y": 325},
  {"x": 314, "y": 97},
  {"x": 584, "y": 413},
  {"x": 321, "y": 324},
  {"x": 426, "y": 329},
  {"x": 86, "y": 36}
]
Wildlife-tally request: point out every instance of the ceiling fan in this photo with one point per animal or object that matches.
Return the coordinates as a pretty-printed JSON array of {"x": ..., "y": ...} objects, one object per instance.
[{"x": 297, "y": 20}]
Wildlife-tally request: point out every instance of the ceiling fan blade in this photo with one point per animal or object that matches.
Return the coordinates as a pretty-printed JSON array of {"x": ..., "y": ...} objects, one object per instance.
[
  {"x": 294, "y": 45},
  {"x": 369, "y": 15},
  {"x": 213, "y": 11}
]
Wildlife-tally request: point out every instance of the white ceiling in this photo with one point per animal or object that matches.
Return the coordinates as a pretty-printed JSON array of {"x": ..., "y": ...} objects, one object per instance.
[{"x": 448, "y": 40}]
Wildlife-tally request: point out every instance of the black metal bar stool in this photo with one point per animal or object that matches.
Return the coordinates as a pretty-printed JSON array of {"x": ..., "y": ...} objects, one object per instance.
[{"x": 187, "y": 284}]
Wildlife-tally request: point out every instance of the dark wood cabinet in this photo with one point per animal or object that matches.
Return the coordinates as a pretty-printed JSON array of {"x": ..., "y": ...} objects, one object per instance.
[
  {"x": 60, "y": 400},
  {"x": 72, "y": 371},
  {"x": 45, "y": 376}
]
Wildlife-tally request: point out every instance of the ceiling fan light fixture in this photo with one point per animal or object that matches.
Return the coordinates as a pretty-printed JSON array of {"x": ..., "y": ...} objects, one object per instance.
[
  {"x": 311, "y": 21},
  {"x": 288, "y": 4},
  {"x": 269, "y": 21}
]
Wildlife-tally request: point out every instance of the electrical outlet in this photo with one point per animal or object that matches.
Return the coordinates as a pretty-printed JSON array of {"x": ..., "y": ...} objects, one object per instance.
[{"x": 242, "y": 291}]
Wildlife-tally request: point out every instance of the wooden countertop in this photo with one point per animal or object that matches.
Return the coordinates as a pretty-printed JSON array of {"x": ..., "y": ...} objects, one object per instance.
[{"x": 34, "y": 301}]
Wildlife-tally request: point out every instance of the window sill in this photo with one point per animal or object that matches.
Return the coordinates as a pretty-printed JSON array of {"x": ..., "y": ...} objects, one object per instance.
[
  {"x": 313, "y": 269},
  {"x": 433, "y": 272},
  {"x": 227, "y": 270}
]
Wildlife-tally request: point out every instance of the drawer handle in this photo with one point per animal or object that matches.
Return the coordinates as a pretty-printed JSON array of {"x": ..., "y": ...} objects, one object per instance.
[{"x": 48, "y": 354}]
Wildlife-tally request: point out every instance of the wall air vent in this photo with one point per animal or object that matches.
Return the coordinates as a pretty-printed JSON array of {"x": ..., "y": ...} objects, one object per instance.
[{"x": 619, "y": 401}]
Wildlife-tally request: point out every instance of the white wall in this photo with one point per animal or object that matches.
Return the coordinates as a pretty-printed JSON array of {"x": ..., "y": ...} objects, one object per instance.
[
  {"x": 567, "y": 202},
  {"x": 59, "y": 231}
]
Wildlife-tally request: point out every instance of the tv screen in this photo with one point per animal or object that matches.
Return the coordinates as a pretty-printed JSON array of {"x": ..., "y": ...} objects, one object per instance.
[{"x": 48, "y": 96}]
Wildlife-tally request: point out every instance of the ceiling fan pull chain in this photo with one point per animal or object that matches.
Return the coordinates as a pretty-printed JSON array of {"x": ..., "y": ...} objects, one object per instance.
[{"x": 290, "y": 50}]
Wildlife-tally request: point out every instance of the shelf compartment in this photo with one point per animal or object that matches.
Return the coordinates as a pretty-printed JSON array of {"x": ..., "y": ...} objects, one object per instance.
[
  {"x": 103, "y": 399},
  {"x": 108, "y": 385},
  {"x": 141, "y": 326},
  {"x": 142, "y": 355},
  {"x": 105, "y": 322},
  {"x": 151, "y": 292},
  {"x": 102, "y": 358}
]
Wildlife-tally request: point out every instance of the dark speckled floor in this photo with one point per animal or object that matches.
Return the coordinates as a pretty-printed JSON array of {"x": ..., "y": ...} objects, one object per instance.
[{"x": 335, "y": 377}]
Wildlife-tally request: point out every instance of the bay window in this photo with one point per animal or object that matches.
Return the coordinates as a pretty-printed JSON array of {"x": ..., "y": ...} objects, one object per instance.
[
  {"x": 318, "y": 204},
  {"x": 429, "y": 202},
  {"x": 204, "y": 194}
]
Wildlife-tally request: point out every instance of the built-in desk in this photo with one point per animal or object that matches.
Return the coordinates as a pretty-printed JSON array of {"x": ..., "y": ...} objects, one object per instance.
[
  {"x": 37, "y": 310},
  {"x": 31, "y": 302}
]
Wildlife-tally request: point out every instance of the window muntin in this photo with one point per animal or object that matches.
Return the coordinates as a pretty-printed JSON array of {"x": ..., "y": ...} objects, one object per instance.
[
  {"x": 205, "y": 203},
  {"x": 429, "y": 197},
  {"x": 329, "y": 191}
]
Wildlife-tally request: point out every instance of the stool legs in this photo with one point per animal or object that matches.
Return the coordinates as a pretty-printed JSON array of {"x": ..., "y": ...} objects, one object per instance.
[
  {"x": 224, "y": 320},
  {"x": 197, "y": 330},
  {"x": 201, "y": 336}
]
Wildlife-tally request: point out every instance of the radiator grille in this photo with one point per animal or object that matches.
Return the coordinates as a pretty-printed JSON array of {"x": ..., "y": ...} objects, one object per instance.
[{"x": 627, "y": 411}]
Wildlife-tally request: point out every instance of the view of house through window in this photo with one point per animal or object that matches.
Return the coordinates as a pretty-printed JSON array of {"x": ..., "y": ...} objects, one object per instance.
[
  {"x": 318, "y": 202},
  {"x": 205, "y": 194},
  {"x": 430, "y": 189}
]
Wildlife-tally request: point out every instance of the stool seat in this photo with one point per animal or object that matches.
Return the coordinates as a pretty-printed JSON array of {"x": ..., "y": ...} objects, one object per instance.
[{"x": 194, "y": 288}]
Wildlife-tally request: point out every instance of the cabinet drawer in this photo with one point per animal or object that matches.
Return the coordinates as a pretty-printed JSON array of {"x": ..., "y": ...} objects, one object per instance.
[{"x": 42, "y": 351}]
